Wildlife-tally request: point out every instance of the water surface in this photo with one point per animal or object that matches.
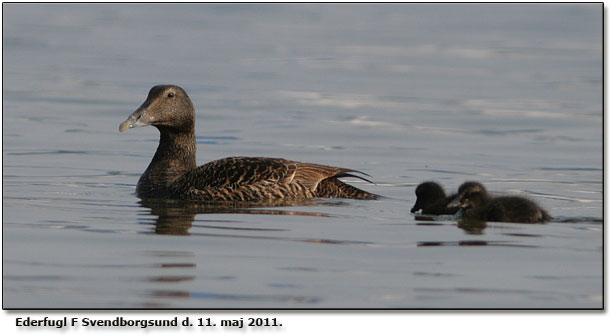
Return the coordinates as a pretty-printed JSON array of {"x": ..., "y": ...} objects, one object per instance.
[{"x": 509, "y": 95}]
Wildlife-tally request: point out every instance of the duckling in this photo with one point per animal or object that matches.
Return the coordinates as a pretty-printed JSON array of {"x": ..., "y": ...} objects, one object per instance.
[
  {"x": 432, "y": 200},
  {"x": 476, "y": 203}
]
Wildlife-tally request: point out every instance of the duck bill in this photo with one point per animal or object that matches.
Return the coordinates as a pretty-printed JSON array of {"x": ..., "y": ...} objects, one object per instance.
[
  {"x": 455, "y": 203},
  {"x": 137, "y": 119}
]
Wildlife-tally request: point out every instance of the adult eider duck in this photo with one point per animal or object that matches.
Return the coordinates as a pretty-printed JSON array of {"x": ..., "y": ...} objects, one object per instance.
[
  {"x": 432, "y": 200},
  {"x": 477, "y": 204},
  {"x": 173, "y": 173}
]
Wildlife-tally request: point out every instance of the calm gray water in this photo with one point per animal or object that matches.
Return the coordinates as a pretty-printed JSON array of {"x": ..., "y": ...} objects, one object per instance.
[{"x": 509, "y": 95}]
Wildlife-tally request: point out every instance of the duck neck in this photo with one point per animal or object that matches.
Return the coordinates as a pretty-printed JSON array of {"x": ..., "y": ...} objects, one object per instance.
[
  {"x": 175, "y": 156},
  {"x": 176, "y": 149}
]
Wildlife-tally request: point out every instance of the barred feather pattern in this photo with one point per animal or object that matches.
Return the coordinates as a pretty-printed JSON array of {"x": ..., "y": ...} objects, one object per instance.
[{"x": 253, "y": 179}]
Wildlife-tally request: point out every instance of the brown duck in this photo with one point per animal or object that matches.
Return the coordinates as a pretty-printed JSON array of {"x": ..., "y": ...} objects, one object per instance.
[{"x": 173, "y": 173}]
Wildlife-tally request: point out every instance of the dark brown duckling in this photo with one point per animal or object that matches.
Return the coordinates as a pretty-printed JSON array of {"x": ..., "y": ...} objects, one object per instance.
[
  {"x": 477, "y": 204},
  {"x": 173, "y": 173},
  {"x": 432, "y": 200}
]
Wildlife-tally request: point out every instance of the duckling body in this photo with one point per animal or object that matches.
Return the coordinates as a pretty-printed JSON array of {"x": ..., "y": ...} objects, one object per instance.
[
  {"x": 173, "y": 173},
  {"x": 476, "y": 203},
  {"x": 432, "y": 200}
]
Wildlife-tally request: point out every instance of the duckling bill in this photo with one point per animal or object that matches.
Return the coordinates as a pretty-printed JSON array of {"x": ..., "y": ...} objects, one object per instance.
[
  {"x": 174, "y": 174},
  {"x": 476, "y": 203}
]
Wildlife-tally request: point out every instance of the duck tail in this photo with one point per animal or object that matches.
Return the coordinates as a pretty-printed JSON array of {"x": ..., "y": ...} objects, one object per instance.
[
  {"x": 545, "y": 216},
  {"x": 346, "y": 174},
  {"x": 334, "y": 188}
]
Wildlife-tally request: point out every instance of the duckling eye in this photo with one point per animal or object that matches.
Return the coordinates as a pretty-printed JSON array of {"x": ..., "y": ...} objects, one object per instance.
[{"x": 171, "y": 94}]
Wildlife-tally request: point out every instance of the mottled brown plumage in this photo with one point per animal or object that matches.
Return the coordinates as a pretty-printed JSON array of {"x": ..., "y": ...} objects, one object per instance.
[{"x": 173, "y": 173}]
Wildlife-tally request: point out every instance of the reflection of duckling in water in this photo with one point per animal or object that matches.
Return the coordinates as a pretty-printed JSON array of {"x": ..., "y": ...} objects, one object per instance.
[
  {"x": 477, "y": 204},
  {"x": 432, "y": 200}
]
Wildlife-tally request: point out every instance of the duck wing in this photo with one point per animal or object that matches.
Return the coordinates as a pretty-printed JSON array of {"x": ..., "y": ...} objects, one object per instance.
[{"x": 236, "y": 172}]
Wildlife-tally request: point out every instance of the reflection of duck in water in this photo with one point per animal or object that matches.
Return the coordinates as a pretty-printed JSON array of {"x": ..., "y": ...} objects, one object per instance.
[
  {"x": 171, "y": 220},
  {"x": 177, "y": 217},
  {"x": 432, "y": 200},
  {"x": 477, "y": 204},
  {"x": 173, "y": 174}
]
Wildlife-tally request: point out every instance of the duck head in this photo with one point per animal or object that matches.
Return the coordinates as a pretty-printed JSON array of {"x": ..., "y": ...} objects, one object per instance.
[
  {"x": 470, "y": 195},
  {"x": 426, "y": 194},
  {"x": 166, "y": 106}
]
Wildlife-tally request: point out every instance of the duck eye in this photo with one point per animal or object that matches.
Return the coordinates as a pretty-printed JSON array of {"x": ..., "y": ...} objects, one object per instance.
[{"x": 171, "y": 94}]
